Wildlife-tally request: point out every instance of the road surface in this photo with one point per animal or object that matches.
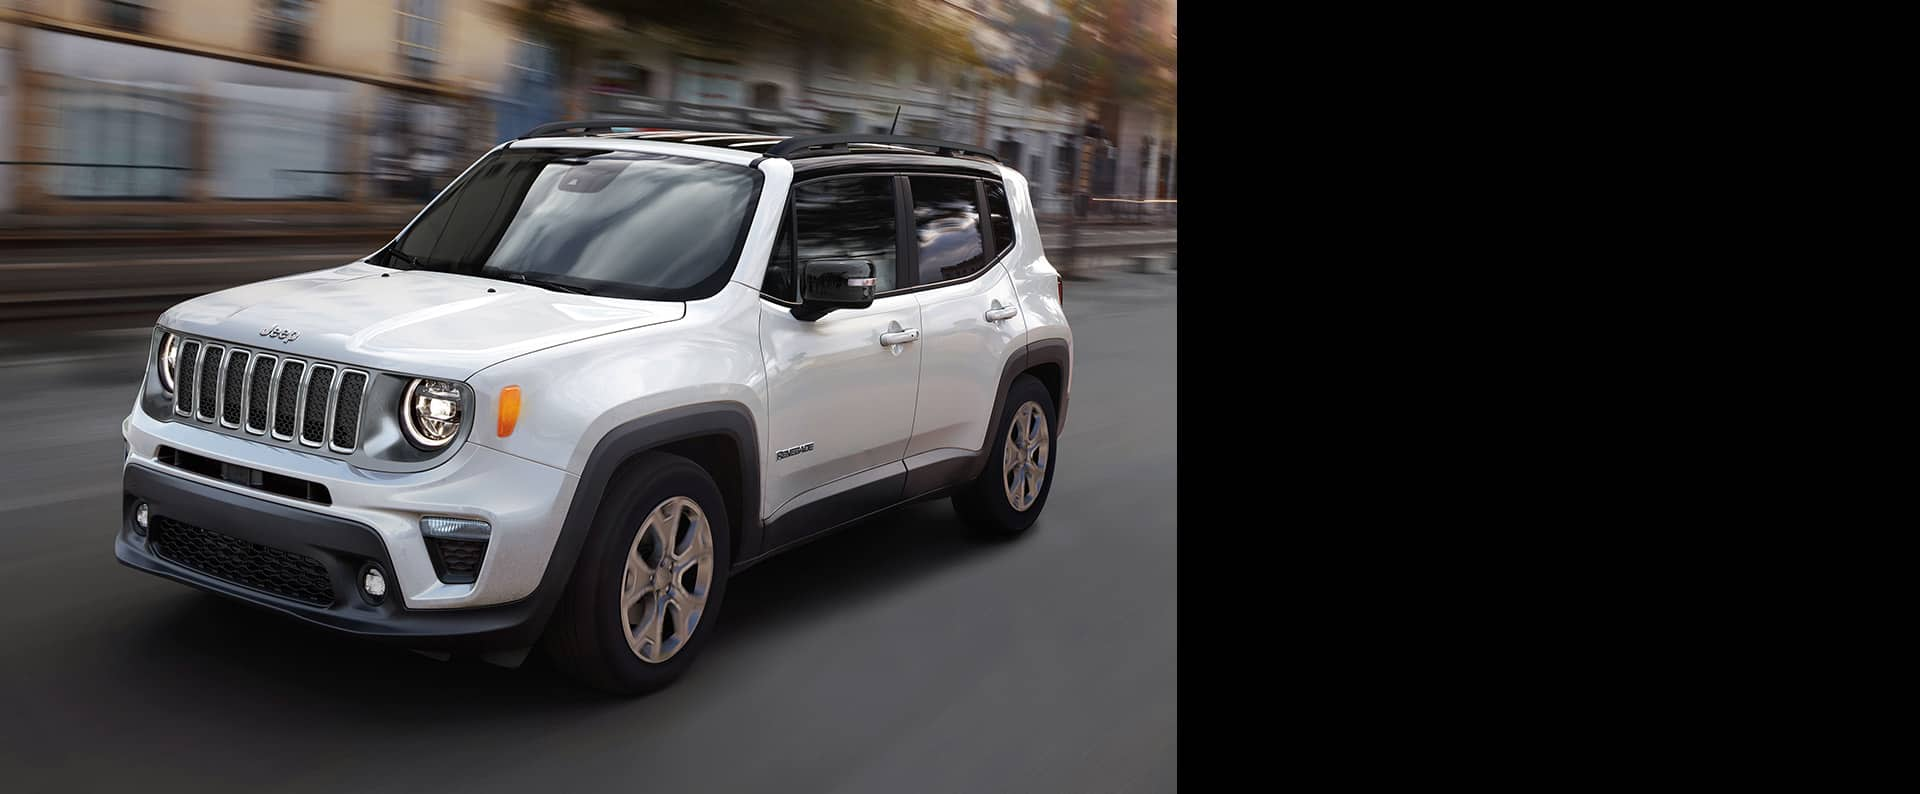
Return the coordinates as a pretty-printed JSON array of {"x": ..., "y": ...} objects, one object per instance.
[{"x": 895, "y": 656}]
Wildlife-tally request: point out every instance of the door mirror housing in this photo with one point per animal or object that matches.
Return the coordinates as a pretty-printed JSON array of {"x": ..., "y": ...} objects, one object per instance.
[{"x": 829, "y": 284}]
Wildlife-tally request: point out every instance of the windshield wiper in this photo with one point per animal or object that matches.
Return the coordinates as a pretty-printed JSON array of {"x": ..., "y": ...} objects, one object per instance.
[
  {"x": 547, "y": 283},
  {"x": 404, "y": 259}
]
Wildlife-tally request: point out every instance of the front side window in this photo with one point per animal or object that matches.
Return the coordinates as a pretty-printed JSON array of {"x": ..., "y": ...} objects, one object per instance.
[
  {"x": 946, "y": 225},
  {"x": 624, "y": 224},
  {"x": 848, "y": 217}
]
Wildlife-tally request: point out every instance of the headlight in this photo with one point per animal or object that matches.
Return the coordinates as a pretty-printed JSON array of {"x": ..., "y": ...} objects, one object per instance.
[
  {"x": 430, "y": 412},
  {"x": 169, "y": 360}
]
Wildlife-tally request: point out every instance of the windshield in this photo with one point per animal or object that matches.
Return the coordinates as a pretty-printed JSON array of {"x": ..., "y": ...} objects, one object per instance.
[{"x": 627, "y": 224}]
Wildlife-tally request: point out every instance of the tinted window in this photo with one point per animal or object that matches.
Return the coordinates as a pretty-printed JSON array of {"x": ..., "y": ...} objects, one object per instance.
[
  {"x": 613, "y": 223},
  {"x": 779, "y": 282},
  {"x": 848, "y": 218},
  {"x": 946, "y": 225},
  {"x": 1000, "y": 218}
]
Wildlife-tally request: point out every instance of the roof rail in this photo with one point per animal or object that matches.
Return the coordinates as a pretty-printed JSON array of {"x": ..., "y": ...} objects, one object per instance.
[
  {"x": 591, "y": 126},
  {"x": 816, "y": 145}
]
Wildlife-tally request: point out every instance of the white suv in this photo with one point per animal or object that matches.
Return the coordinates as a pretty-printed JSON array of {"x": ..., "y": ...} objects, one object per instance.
[{"x": 606, "y": 368}]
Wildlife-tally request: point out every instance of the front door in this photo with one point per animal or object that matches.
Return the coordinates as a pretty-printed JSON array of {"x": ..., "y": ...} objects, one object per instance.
[{"x": 840, "y": 402}]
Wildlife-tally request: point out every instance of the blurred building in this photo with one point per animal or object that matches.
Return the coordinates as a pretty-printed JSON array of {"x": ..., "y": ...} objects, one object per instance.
[
  {"x": 126, "y": 107},
  {"x": 156, "y": 107}
]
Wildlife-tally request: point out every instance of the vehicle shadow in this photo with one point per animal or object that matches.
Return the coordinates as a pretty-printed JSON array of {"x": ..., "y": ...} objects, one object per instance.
[{"x": 201, "y": 648}]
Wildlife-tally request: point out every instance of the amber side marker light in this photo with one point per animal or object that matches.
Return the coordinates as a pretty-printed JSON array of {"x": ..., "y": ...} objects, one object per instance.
[{"x": 509, "y": 410}]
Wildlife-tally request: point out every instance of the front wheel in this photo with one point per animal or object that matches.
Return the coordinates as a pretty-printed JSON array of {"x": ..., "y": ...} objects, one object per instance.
[
  {"x": 1007, "y": 496},
  {"x": 648, "y": 587}
]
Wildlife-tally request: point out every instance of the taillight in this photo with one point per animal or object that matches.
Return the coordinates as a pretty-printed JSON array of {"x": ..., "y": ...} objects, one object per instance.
[{"x": 1062, "y": 282}]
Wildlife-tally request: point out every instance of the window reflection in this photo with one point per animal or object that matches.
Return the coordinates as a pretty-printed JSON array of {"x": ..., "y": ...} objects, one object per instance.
[
  {"x": 849, "y": 218},
  {"x": 946, "y": 220}
]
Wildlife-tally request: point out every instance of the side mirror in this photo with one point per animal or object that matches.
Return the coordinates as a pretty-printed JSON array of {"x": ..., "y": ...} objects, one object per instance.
[{"x": 828, "y": 284}]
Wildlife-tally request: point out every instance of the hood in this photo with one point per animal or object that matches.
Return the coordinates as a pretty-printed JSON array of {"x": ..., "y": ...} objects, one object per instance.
[{"x": 432, "y": 324}]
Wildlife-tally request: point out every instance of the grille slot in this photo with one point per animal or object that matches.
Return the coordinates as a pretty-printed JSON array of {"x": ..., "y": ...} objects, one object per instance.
[
  {"x": 233, "y": 388},
  {"x": 183, "y": 380},
  {"x": 346, "y": 411},
  {"x": 260, "y": 392},
  {"x": 286, "y": 400},
  {"x": 245, "y": 563},
  {"x": 313, "y": 414},
  {"x": 209, "y": 385}
]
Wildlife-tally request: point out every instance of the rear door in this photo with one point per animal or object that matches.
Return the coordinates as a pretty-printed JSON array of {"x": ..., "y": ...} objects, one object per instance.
[{"x": 969, "y": 316}]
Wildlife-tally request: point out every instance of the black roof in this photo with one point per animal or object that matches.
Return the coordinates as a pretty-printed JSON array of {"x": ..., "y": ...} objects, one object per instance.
[{"x": 786, "y": 146}]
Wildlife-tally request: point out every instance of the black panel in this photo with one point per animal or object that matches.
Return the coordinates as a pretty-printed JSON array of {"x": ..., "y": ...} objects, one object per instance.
[{"x": 833, "y": 511}]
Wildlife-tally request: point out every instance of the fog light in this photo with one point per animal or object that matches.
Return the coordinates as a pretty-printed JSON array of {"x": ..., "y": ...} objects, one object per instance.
[
  {"x": 374, "y": 583},
  {"x": 140, "y": 518}
]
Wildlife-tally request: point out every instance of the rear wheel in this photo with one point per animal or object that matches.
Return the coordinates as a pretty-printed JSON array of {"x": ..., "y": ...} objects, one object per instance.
[
  {"x": 648, "y": 587},
  {"x": 1009, "y": 493}
]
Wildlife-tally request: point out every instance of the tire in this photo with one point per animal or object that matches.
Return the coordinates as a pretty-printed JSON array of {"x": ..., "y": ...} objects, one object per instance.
[
  {"x": 989, "y": 505},
  {"x": 588, "y": 638}
]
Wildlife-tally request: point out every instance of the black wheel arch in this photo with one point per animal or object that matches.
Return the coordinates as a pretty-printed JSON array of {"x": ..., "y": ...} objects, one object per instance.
[
  {"x": 1048, "y": 360},
  {"x": 719, "y": 436}
]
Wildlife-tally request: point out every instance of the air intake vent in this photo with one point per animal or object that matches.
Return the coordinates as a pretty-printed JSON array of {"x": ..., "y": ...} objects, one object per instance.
[
  {"x": 185, "y": 378},
  {"x": 286, "y": 400},
  {"x": 346, "y": 416}
]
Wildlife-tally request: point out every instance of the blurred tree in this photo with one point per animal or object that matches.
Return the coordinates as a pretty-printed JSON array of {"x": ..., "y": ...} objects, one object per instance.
[{"x": 1114, "y": 56}]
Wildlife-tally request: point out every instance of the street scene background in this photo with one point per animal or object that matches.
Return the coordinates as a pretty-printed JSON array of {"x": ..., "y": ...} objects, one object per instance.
[{"x": 156, "y": 150}]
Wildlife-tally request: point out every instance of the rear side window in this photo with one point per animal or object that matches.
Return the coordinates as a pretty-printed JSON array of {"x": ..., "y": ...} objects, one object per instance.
[
  {"x": 999, "y": 218},
  {"x": 946, "y": 226},
  {"x": 849, "y": 217}
]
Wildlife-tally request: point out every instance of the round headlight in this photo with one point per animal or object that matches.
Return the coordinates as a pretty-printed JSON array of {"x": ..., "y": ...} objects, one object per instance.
[
  {"x": 169, "y": 360},
  {"x": 430, "y": 413}
]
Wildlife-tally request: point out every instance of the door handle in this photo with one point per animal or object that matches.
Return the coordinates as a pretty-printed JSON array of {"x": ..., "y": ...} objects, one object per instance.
[
  {"x": 999, "y": 312},
  {"x": 899, "y": 337}
]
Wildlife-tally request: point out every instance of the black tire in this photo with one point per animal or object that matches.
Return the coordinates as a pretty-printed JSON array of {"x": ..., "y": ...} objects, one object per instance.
[
  {"x": 984, "y": 504},
  {"x": 587, "y": 635}
]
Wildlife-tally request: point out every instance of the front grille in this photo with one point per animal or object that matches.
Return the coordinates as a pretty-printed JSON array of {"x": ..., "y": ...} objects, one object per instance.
[
  {"x": 245, "y": 563},
  {"x": 261, "y": 393}
]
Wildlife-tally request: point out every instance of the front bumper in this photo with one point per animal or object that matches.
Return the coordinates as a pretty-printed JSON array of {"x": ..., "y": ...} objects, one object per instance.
[
  {"x": 524, "y": 502},
  {"x": 341, "y": 547}
]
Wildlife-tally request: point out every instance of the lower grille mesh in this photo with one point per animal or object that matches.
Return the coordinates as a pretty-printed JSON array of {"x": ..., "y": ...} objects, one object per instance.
[{"x": 264, "y": 568}]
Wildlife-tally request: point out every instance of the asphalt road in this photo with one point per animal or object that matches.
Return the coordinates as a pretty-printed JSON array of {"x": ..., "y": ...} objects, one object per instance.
[{"x": 895, "y": 656}]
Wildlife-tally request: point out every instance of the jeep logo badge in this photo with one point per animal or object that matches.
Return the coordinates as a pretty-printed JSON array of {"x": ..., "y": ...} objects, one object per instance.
[
  {"x": 282, "y": 334},
  {"x": 792, "y": 451}
]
